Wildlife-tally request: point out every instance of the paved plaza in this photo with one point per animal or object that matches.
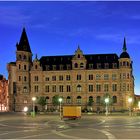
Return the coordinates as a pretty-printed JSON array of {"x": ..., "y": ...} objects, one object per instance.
[{"x": 90, "y": 126}]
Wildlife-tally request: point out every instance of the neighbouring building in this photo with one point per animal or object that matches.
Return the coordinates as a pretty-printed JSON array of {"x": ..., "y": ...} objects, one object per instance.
[
  {"x": 3, "y": 94},
  {"x": 78, "y": 78}
]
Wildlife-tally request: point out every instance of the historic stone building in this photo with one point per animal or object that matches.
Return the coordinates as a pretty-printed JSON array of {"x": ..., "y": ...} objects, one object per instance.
[
  {"x": 77, "y": 78},
  {"x": 3, "y": 94}
]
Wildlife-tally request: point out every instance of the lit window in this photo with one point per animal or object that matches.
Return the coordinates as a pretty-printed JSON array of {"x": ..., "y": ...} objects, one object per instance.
[{"x": 79, "y": 88}]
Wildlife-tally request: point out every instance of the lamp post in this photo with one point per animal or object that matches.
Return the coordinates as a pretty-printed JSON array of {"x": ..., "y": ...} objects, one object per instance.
[
  {"x": 33, "y": 99},
  {"x": 60, "y": 100},
  {"x": 106, "y": 108},
  {"x": 130, "y": 101}
]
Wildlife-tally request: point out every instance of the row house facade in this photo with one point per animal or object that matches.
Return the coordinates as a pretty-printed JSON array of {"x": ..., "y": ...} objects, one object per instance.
[{"x": 4, "y": 105}]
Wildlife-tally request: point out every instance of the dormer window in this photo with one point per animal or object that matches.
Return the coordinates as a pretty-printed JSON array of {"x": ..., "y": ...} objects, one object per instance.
[
  {"x": 61, "y": 67},
  {"x": 90, "y": 66},
  {"x": 98, "y": 66},
  {"x": 54, "y": 67},
  {"x": 47, "y": 67},
  {"x": 68, "y": 67},
  {"x": 106, "y": 65},
  {"x": 114, "y": 65}
]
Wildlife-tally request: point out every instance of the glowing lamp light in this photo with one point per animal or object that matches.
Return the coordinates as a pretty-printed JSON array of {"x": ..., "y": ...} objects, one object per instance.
[{"x": 25, "y": 109}]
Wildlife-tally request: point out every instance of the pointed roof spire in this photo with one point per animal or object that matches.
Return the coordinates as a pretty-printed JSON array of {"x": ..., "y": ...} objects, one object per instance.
[
  {"x": 36, "y": 57},
  {"x": 23, "y": 43},
  {"x": 124, "y": 45}
]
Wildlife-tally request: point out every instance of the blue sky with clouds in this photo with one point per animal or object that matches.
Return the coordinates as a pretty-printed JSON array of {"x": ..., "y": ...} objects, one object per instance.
[{"x": 56, "y": 28}]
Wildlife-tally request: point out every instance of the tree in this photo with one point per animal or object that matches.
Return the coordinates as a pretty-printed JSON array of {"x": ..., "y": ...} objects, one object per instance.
[
  {"x": 41, "y": 101},
  {"x": 55, "y": 100},
  {"x": 90, "y": 102}
]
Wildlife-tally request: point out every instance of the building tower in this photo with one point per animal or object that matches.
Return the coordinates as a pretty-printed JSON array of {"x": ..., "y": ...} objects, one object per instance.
[
  {"x": 23, "y": 66},
  {"x": 126, "y": 77}
]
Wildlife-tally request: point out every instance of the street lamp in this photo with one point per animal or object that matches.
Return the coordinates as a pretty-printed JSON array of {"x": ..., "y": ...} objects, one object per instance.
[
  {"x": 106, "y": 108},
  {"x": 130, "y": 101},
  {"x": 60, "y": 100},
  {"x": 33, "y": 99}
]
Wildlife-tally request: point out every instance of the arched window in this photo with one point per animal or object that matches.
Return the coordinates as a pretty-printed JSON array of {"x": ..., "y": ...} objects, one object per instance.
[
  {"x": 114, "y": 99},
  {"x": 90, "y": 98},
  {"x": 124, "y": 64},
  {"x": 25, "y": 67},
  {"x": 68, "y": 100},
  {"x": 127, "y": 63},
  {"x": 79, "y": 100},
  {"x": 79, "y": 88},
  {"x": 20, "y": 57},
  {"x": 98, "y": 99},
  {"x": 24, "y": 57},
  {"x": 47, "y": 99},
  {"x": 25, "y": 89},
  {"x": 81, "y": 65},
  {"x": 76, "y": 65},
  {"x": 25, "y": 78},
  {"x": 90, "y": 101},
  {"x": 19, "y": 66},
  {"x": 78, "y": 56},
  {"x": 35, "y": 66}
]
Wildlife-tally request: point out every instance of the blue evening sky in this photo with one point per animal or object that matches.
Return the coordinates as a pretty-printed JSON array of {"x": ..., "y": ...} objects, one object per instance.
[{"x": 56, "y": 28}]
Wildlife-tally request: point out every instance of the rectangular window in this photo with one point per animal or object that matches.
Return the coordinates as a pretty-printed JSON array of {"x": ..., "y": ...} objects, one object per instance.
[
  {"x": 47, "y": 79},
  {"x": 78, "y": 76},
  {"x": 106, "y": 76},
  {"x": 68, "y": 88},
  {"x": 124, "y": 87},
  {"x": 114, "y": 76},
  {"x": 68, "y": 77},
  {"x": 98, "y": 87},
  {"x": 106, "y": 87},
  {"x": 128, "y": 87},
  {"x": 90, "y": 88},
  {"x": 90, "y": 77},
  {"x": 114, "y": 87},
  {"x": 36, "y": 89},
  {"x": 47, "y": 88},
  {"x": 36, "y": 78},
  {"x": 124, "y": 75},
  {"x": 98, "y": 77},
  {"x": 61, "y": 78},
  {"x": 53, "y": 78},
  {"x": 61, "y": 88},
  {"x": 53, "y": 88}
]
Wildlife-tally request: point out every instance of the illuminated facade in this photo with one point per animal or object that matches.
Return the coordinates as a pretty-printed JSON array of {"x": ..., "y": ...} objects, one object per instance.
[
  {"x": 78, "y": 78},
  {"x": 3, "y": 94}
]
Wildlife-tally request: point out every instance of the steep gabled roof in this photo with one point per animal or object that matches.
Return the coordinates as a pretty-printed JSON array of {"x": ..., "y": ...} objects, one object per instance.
[
  {"x": 67, "y": 60},
  {"x": 24, "y": 43}
]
